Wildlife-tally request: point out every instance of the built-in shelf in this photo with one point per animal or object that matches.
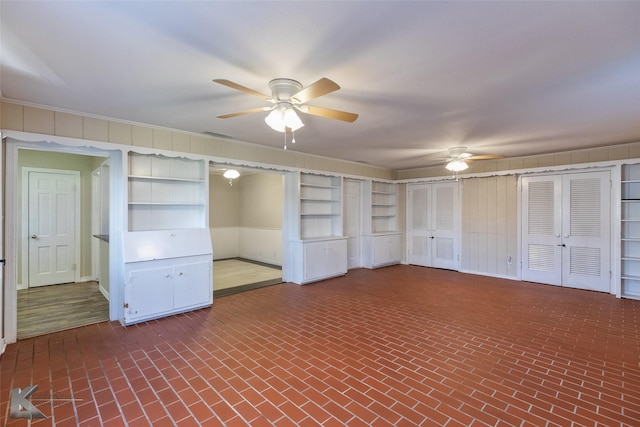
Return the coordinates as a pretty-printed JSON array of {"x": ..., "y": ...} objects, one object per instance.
[
  {"x": 384, "y": 200},
  {"x": 320, "y": 206},
  {"x": 165, "y": 192},
  {"x": 630, "y": 232}
]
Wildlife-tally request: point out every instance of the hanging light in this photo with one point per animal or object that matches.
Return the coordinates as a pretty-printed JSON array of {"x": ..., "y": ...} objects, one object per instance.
[
  {"x": 283, "y": 116},
  {"x": 457, "y": 165},
  {"x": 231, "y": 174}
]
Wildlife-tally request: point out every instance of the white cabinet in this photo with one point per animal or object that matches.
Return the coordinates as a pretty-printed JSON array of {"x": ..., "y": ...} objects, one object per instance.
[
  {"x": 165, "y": 192},
  {"x": 166, "y": 272},
  {"x": 382, "y": 249},
  {"x": 319, "y": 259},
  {"x": 630, "y": 232},
  {"x": 381, "y": 240},
  {"x": 316, "y": 246},
  {"x": 158, "y": 288}
]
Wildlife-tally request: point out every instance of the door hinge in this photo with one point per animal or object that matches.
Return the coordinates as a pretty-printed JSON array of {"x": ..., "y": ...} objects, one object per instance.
[
  {"x": 3, "y": 261},
  {"x": 126, "y": 305}
]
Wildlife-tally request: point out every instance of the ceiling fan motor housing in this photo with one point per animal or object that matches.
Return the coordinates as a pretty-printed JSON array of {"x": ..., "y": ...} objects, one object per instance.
[{"x": 283, "y": 89}]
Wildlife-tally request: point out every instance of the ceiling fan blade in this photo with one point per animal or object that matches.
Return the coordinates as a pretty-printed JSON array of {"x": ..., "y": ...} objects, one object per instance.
[
  {"x": 242, "y": 113},
  {"x": 315, "y": 90},
  {"x": 331, "y": 114},
  {"x": 485, "y": 157},
  {"x": 241, "y": 88}
]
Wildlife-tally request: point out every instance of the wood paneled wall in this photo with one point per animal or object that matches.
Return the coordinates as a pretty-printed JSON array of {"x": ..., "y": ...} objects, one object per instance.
[{"x": 489, "y": 226}]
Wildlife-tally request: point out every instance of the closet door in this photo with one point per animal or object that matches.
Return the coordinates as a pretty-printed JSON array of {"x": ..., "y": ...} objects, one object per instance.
[
  {"x": 541, "y": 227},
  {"x": 418, "y": 233},
  {"x": 444, "y": 246},
  {"x": 431, "y": 225},
  {"x": 566, "y": 223},
  {"x": 586, "y": 231}
]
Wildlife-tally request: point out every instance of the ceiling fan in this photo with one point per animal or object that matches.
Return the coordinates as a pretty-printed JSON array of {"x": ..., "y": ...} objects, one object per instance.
[
  {"x": 459, "y": 157},
  {"x": 287, "y": 97}
]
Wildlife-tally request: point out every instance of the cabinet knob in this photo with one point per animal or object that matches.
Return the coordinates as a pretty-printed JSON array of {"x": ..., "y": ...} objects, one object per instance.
[
  {"x": 180, "y": 274},
  {"x": 167, "y": 275}
]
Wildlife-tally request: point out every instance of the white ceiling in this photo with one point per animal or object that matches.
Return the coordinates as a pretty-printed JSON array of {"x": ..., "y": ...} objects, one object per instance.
[{"x": 515, "y": 78}]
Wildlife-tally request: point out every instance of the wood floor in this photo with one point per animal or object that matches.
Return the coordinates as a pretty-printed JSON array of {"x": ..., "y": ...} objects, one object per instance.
[
  {"x": 238, "y": 275},
  {"x": 53, "y": 308}
]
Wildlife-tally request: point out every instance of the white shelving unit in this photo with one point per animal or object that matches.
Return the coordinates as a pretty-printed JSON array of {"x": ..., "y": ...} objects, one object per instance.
[
  {"x": 630, "y": 231},
  {"x": 317, "y": 248},
  {"x": 166, "y": 193},
  {"x": 384, "y": 200},
  {"x": 320, "y": 206},
  {"x": 167, "y": 247},
  {"x": 382, "y": 241}
]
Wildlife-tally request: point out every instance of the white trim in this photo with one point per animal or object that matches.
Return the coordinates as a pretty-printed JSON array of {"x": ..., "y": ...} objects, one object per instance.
[
  {"x": 104, "y": 292},
  {"x": 43, "y": 143}
]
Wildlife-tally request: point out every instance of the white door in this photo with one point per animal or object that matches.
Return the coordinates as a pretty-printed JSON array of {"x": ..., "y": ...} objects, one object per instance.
[
  {"x": 52, "y": 227},
  {"x": 352, "y": 222},
  {"x": 418, "y": 233},
  {"x": 432, "y": 225},
  {"x": 566, "y": 222},
  {"x": 444, "y": 248}
]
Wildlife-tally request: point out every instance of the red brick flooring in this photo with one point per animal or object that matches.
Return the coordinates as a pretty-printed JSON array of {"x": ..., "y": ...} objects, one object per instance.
[{"x": 401, "y": 346}]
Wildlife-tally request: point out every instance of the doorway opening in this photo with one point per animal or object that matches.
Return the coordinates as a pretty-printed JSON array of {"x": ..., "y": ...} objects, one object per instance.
[
  {"x": 245, "y": 221},
  {"x": 60, "y": 209}
]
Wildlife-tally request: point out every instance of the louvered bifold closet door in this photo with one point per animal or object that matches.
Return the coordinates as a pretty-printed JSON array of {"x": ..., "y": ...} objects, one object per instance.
[
  {"x": 443, "y": 217},
  {"x": 586, "y": 231},
  {"x": 541, "y": 229},
  {"x": 419, "y": 235}
]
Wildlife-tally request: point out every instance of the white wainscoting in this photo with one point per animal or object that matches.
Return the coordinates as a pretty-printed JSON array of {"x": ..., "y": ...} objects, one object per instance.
[{"x": 257, "y": 244}]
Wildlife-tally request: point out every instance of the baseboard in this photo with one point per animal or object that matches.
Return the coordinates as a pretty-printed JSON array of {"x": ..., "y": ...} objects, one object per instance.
[
  {"x": 252, "y": 261},
  {"x": 497, "y": 276},
  {"x": 104, "y": 292}
]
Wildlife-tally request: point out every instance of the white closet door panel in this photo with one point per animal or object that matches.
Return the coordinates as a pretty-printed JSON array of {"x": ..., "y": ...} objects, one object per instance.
[
  {"x": 541, "y": 223},
  {"x": 586, "y": 235},
  {"x": 443, "y": 219},
  {"x": 419, "y": 237}
]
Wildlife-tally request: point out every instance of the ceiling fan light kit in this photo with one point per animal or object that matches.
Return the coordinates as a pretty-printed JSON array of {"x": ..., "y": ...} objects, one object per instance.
[
  {"x": 457, "y": 165},
  {"x": 283, "y": 116}
]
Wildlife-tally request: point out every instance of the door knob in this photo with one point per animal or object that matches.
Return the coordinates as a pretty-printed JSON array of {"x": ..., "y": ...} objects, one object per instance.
[{"x": 33, "y": 236}]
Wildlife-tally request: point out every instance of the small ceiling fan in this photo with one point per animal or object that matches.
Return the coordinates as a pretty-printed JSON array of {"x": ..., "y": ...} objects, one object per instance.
[
  {"x": 287, "y": 97},
  {"x": 459, "y": 157}
]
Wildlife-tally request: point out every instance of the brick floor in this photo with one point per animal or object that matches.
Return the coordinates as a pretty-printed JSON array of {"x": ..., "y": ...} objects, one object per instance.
[{"x": 401, "y": 346}]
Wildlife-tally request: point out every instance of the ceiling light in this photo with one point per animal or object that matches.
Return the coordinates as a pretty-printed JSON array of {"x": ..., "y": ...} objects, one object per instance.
[
  {"x": 457, "y": 165},
  {"x": 231, "y": 174},
  {"x": 282, "y": 117}
]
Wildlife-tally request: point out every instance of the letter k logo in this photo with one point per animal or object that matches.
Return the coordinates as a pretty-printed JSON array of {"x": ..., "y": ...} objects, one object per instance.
[{"x": 21, "y": 407}]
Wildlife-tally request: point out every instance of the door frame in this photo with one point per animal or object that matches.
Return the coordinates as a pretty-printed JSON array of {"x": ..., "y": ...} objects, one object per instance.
[
  {"x": 25, "y": 223},
  {"x": 614, "y": 217},
  {"x": 14, "y": 141}
]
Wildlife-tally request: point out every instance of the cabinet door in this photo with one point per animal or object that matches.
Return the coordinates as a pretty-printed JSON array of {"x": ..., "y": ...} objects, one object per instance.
[
  {"x": 193, "y": 285},
  {"x": 315, "y": 260},
  {"x": 148, "y": 293},
  {"x": 336, "y": 259}
]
